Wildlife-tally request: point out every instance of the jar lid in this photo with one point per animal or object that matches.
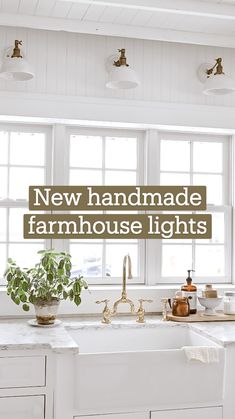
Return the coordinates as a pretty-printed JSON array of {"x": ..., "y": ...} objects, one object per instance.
[{"x": 229, "y": 293}]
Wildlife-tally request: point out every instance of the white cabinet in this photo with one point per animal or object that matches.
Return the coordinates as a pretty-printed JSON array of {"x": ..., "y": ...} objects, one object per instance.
[
  {"x": 22, "y": 407},
  {"x": 144, "y": 415},
  {"x": 22, "y": 371},
  {"x": 203, "y": 413}
]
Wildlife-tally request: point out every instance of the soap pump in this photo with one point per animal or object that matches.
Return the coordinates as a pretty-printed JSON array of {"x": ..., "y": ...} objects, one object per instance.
[{"x": 189, "y": 290}]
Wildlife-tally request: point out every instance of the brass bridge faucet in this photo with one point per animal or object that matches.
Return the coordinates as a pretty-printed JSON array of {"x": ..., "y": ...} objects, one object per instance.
[
  {"x": 107, "y": 313},
  {"x": 124, "y": 299}
]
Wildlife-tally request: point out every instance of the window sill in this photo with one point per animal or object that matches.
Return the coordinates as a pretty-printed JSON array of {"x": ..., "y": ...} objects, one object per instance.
[{"x": 112, "y": 292}]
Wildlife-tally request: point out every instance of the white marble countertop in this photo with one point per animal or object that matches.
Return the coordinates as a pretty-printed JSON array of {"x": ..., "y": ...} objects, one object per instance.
[
  {"x": 19, "y": 335},
  {"x": 16, "y": 334},
  {"x": 222, "y": 333}
]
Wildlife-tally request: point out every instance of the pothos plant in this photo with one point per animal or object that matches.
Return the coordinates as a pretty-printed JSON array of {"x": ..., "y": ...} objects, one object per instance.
[{"x": 48, "y": 280}]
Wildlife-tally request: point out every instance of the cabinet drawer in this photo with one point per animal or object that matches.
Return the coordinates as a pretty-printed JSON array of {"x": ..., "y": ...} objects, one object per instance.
[
  {"x": 203, "y": 413},
  {"x": 22, "y": 371},
  {"x": 22, "y": 407}
]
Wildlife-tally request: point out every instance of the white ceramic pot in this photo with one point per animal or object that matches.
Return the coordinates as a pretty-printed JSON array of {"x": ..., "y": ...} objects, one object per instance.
[{"x": 46, "y": 311}]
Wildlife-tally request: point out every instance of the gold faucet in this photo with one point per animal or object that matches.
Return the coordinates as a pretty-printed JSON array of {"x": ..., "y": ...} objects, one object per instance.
[
  {"x": 106, "y": 311},
  {"x": 141, "y": 310},
  {"x": 164, "y": 309},
  {"x": 124, "y": 299}
]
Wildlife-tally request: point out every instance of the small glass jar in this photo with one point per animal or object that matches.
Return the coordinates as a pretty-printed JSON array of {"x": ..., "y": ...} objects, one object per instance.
[{"x": 229, "y": 302}]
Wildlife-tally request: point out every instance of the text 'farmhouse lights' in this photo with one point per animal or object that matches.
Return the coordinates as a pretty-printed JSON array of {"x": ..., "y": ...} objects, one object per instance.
[
  {"x": 215, "y": 81},
  {"x": 14, "y": 64},
  {"x": 121, "y": 76}
]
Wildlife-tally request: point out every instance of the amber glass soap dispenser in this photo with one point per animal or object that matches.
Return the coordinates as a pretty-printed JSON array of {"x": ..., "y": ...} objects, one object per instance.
[{"x": 190, "y": 290}]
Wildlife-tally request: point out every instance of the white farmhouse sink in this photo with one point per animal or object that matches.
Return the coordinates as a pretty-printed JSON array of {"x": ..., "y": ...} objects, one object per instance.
[
  {"x": 131, "y": 369},
  {"x": 103, "y": 340}
]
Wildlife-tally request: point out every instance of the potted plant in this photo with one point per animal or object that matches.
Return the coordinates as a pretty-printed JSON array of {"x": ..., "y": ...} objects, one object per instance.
[{"x": 44, "y": 285}]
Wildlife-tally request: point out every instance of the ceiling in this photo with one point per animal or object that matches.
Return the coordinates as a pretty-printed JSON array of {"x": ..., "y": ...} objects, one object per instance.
[{"x": 204, "y": 22}]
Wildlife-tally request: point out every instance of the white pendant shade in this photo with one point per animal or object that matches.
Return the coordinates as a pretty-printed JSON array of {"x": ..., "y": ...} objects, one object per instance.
[
  {"x": 218, "y": 84},
  {"x": 122, "y": 77},
  {"x": 16, "y": 68}
]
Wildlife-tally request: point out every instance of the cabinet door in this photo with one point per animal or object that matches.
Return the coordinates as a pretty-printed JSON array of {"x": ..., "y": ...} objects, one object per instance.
[
  {"x": 203, "y": 413},
  {"x": 22, "y": 407},
  {"x": 144, "y": 415}
]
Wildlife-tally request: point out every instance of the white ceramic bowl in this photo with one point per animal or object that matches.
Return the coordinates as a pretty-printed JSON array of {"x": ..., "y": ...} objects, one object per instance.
[{"x": 210, "y": 304}]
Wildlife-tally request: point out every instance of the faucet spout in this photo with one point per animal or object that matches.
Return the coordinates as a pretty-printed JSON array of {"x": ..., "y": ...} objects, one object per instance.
[
  {"x": 124, "y": 299},
  {"x": 126, "y": 260}
]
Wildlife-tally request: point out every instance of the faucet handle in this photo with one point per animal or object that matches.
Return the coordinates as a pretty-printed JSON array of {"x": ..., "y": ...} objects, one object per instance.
[
  {"x": 141, "y": 310},
  {"x": 141, "y": 300},
  {"x": 106, "y": 311},
  {"x": 103, "y": 301},
  {"x": 165, "y": 301}
]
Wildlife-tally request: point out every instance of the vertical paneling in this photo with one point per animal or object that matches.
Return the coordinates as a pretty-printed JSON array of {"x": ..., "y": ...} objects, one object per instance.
[{"x": 75, "y": 64}]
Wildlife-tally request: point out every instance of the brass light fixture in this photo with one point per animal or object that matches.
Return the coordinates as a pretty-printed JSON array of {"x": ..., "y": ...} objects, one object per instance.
[
  {"x": 215, "y": 81},
  {"x": 121, "y": 75},
  {"x": 122, "y": 59},
  {"x": 14, "y": 65}
]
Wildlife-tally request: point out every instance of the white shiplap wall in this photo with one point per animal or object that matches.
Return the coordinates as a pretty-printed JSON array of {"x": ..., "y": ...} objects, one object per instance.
[{"x": 74, "y": 64}]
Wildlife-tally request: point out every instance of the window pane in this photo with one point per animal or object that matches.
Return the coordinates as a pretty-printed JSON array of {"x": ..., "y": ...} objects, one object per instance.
[
  {"x": 85, "y": 151},
  {"x": 21, "y": 178},
  {"x": 120, "y": 178},
  {"x": 3, "y": 224},
  {"x": 214, "y": 187},
  {"x": 114, "y": 258},
  {"x": 25, "y": 255},
  {"x": 175, "y": 179},
  {"x": 27, "y": 148},
  {"x": 16, "y": 224},
  {"x": 207, "y": 157},
  {"x": 3, "y": 182},
  {"x": 209, "y": 260},
  {"x": 121, "y": 153},
  {"x": 86, "y": 259},
  {"x": 85, "y": 177},
  {"x": 175, "y": 155},
  {"x": 3, "y": 258},
  {"x": 217, "y": 229},
  {"x": 3, "y": 147},
  {"x": 176, "y": 259}
]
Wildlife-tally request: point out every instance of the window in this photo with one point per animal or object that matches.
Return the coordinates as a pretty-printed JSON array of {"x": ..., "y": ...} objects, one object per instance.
[
  {"x": 89, "y": 156},
  {"x": 23, "y": 159},
  {"x": 106, "y": 158},
  {"x": 198, "y": 160}
]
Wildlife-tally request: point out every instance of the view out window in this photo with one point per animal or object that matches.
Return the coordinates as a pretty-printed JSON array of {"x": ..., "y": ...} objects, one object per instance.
[
  {"x": 22, "y": 163},
  {"x": 108, "y": 158},
  {"x": 196, "y": 160}
]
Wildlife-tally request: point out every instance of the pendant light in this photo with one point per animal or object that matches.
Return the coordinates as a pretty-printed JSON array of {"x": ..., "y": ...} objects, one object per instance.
[
  {"x": 15, "y": 66},
  {"x": 121, "y": 76}
]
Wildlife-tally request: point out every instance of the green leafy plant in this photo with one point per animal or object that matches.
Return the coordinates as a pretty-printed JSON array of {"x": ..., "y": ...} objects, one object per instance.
[{"x": 48, "y": 280}]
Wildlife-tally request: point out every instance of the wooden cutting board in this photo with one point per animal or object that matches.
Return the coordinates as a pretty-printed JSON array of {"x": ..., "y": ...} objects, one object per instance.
[{"x": 200, "y": 317}]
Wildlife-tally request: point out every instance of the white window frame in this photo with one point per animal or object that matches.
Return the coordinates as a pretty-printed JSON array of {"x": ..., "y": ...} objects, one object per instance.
[
  {"x": 63, "y": 134},
  {"x": 154, "y": 247},
  {"x": 57, "y": 171},
  {"x": 9, "y": 203}
]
